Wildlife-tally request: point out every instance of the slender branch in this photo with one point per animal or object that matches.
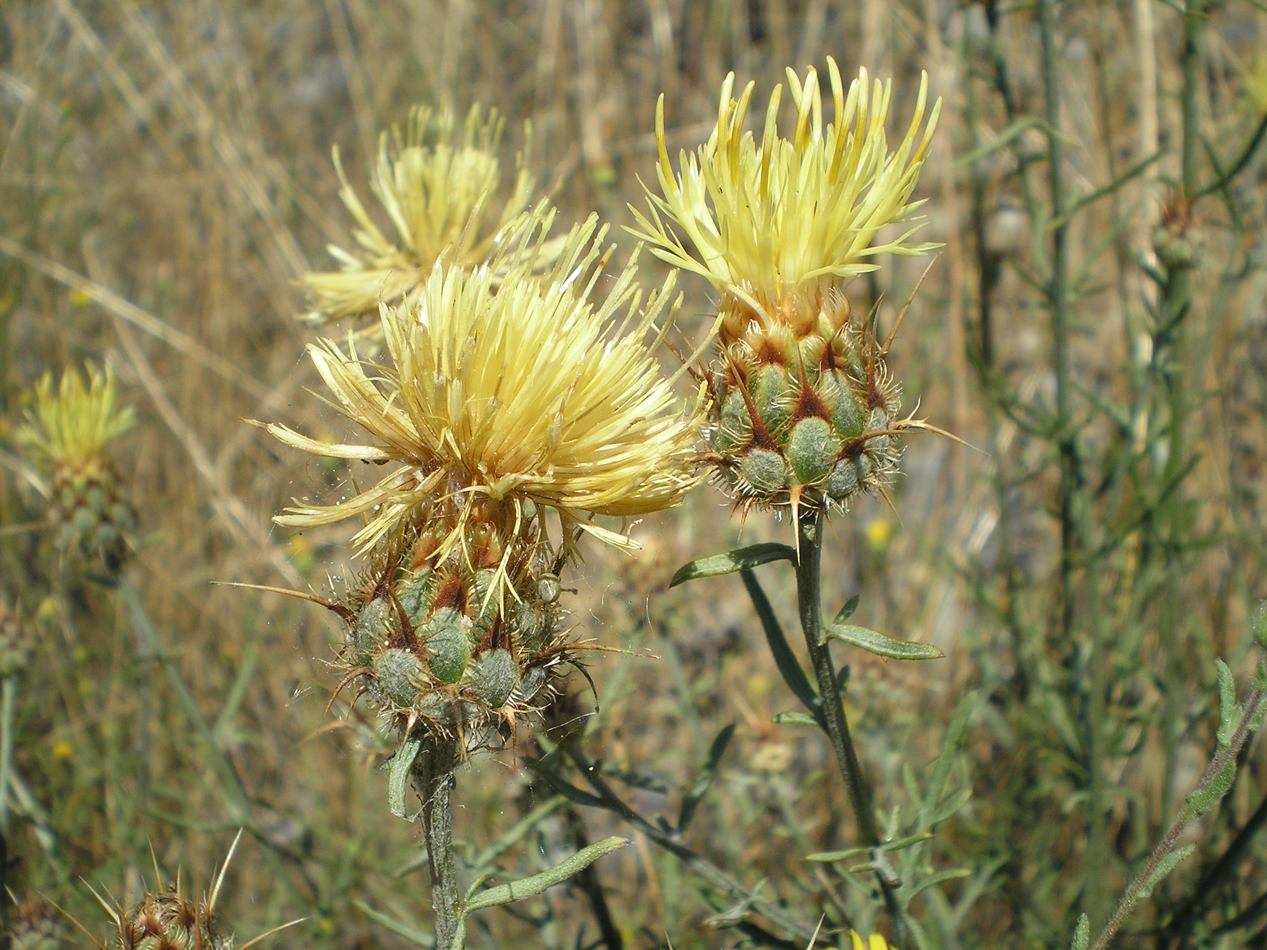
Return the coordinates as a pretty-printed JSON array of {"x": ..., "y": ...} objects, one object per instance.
[
  {"x": 700, "y": 865},
  {"x": 809, "y": 526},
  {"x": 1143, "y": 881},
  {"x": 434, "y": 777},
  {"x": 1208, "y": 887}
]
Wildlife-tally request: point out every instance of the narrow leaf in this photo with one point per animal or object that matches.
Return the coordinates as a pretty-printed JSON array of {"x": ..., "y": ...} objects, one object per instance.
[
  {"x": 704, "y": 781},
  {"x": 940, "y": 877},
  {"x": 538, "y": 883},
  {"x": 1229, "y": 709},
  {"x": 794, "y": 717},
  {"x": 1164, "y": 867},
  {"x": 830, "y": 857},
  {"x": 728, "y": 562},
  {"x": 1082, "y": 934},
  {"x": 1208, "y": 795},
  {"x": 398, "y": 777},
  {"x": 419, "y": 937},
  {"x": 846, "y": 611},
  {"x": 881, "y": 645}
]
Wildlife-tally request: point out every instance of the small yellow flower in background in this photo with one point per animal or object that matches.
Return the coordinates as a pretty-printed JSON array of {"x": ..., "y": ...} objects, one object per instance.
[
  {"x": 444, "y": 190},
  {"x": 62, "y": 750},
  {"x": 803, "y": 408},
  {"x": 78, "y": 297},
  {"x": 878, "y": 532},
  {"x": 871, "y": 942},
  {"x": 66, "y": 435}
]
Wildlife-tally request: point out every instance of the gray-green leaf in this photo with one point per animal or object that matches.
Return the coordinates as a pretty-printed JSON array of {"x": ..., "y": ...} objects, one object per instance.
[
  {"x": 538, "y": 883},
  {"x": 1164, "y": 867},
  {"x": 881, "y": 645},
  {"x": 730, "y": 561},
  {"x": 398, "y": 777},
  {"x": 1082, "y": 934}
]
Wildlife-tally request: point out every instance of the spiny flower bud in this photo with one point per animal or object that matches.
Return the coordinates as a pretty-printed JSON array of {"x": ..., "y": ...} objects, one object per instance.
[
  {"x": 459, "y": 640},
  {"x": 803, "y": 409},
  {"x": 805, "y": 419},
  {"x": 35, "y": 925},
  {"x": 170, "y": 921},
  {"x": 66, "y": 435},
  {"x": 15, "y": 643}
]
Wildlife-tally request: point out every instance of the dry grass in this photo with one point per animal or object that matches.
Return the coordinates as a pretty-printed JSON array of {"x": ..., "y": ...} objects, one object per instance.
[{"x": 165, "y": 178}]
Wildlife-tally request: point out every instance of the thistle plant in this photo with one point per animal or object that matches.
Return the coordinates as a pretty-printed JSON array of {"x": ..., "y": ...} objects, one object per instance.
[
  {"x": 66, "y": 435},
  {"x": 802, "y": 407},
  {"x": 443, "y": 187},
  {"x": 35, "y": 925},
  {"x": 515, "y": 407},
  {"x": 168, "y": 918}
]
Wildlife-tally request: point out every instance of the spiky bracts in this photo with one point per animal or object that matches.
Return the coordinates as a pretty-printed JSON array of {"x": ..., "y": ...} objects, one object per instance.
[
  {"x": 66, "y": 435},
  {"x": 803, "y": 410},
  {"x": 463, "y": 643},
  {"x": 170, "y": 921},
  {"x": 35, "y": 925},
  {"x": 447, "y": 196},
  {"x": 509, "y": 400},
  {"x": 15, "y": 640}
]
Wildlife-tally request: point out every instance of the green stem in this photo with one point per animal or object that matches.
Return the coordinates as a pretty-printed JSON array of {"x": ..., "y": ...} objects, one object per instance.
[
  {"x": 6, "y": 747},
  {"x": 1224, "y": 759},
  {"x": 809, "y": 526},
  {"x": 1173, "y": 308},
  {"x": 434, "y": 777}
]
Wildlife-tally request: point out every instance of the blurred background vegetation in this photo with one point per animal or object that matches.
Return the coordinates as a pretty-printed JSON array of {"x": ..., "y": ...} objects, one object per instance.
[{"x": 1094, "y": 326}]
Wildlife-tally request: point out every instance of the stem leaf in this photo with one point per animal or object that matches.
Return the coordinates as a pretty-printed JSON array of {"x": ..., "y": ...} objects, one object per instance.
[
  {"x": 398, "y": 770},
  {"x": 1209, "y": 794},
  {"x": 536, "y": 884},
  {"x": 1082, "y": 934},
  {"x": 846, "y": 611},
  {"x": 1163, "y": 868},
  {"x": 740, "y": 559},
  {"x": 399, "y": 928},
  {"x": 794, "y": 717},
  {"x": 882, "y": 645},
  {"x": 1229, "y": 709}
]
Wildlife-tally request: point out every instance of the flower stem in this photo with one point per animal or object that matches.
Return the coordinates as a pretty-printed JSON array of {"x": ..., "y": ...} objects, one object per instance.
[
  {"x": 434, "y": 776},
  {"x": 809, "y": 526}
]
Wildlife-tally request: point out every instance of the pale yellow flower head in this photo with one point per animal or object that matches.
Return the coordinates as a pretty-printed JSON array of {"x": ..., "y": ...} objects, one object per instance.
[
  {"x": 70, "y": 425},
  {"x": 514, "y": 389},
  {"x": 447, "y": 196},
  {"x": 776, "y": 218}
]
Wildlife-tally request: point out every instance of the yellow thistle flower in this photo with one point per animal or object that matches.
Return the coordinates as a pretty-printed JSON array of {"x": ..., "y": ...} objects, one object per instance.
[
  {"x": 442, "y": 186},
  {"x": 73, "y": 424},
  {"x": 802, "y": 406},
  {"x": 542, "y": 392},
  {"x": 66, "y": 433},
  {"x": 785, "y": 216},
  {"x": 870, "y": 942}
]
